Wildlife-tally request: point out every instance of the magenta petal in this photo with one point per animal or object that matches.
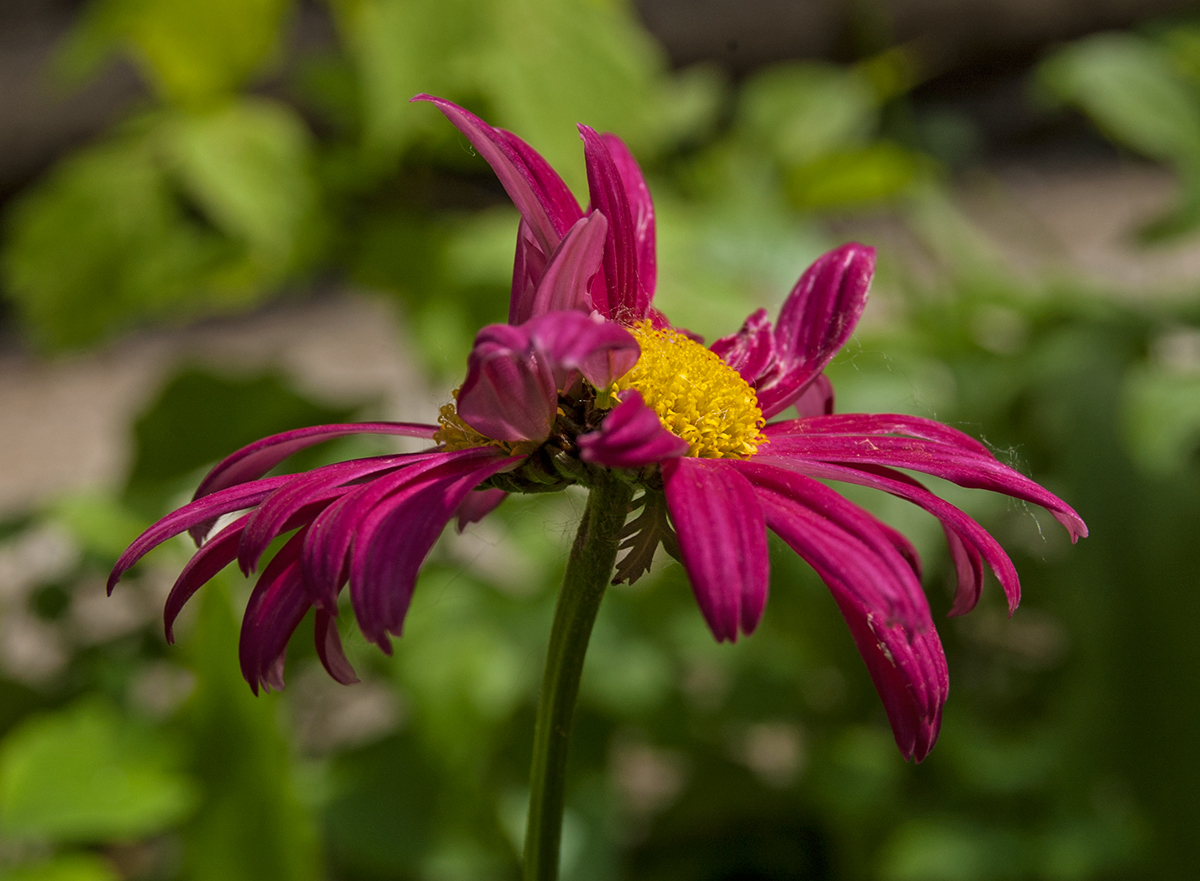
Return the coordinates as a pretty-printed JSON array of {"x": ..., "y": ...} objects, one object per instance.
[
  {"x": 509, "y": 393},
  {"x": 969, "y": 542},
  {"x": 332, "y": 533},
  {"x": 752, "y": 349},
  {"x": 258, "y": 458},
  {"x": 631, "y": 436},
  {"x": 603, "y": 351},
  {"x": 817, "y": 399},
  {"x": 623, "y": 300},
  {"x": 816, "y": 320},
  {"x": 276, "y": 607},
  {"x": 964, "y": 467},
  {"x": 206, "y": 510},
  {"x": 478, "y": 505},
  {"x": 329, "y": 649},
  {"x": 537, "y": 192},
  {"x": 564, "y": 283},
  {"x": 641, "y": 207},
  {"x": 307, "y": 494},
  {"x": 722, "y": 542},
  {"x": 856, "y": 424},
  {"x": 906, "y": 662},
  {"x": 822, "y": 310},
  {"x": 909, "y": 672},
  {"x": 528, "y": 266},
  {"x": 842, "y": 539},
  {"x": 216, "y": 554},
  {"x": 394, "y": 538}
]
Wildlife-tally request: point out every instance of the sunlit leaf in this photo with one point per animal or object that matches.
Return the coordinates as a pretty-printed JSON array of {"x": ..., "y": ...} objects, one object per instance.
[
  {"x": 88, "y": 774},
  {"x": 191, "y": 51}
]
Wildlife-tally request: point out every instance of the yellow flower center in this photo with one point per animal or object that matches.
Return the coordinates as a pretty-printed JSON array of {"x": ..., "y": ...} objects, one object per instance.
[{"x": 696, "y": 395}]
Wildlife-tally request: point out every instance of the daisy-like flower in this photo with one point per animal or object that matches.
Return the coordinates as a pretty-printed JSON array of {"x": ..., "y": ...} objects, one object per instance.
[{"x": 588, "y": 384}]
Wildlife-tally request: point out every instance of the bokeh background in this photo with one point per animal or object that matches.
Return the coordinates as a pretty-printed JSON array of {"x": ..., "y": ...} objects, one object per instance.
[{"x": 222, "y": 219}]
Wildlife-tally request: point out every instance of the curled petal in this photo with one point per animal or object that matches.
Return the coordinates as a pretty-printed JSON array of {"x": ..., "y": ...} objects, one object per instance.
[
  {"x": 565, "y": 280},
  {"x": 970, "y": 544},
  {"x": 255, "y": 460},
  {"x": 329, "y": 649},
  {"x": 722, "y": 542},
  {"x": 909, "y": 672},
  {"x": 842, "y": 538},
  {"x": 751, "y": 350},
  {"x": 953, "y": 462},
  {"x": 622, "y": 300},
  {"x": 216, "y": 554},
  {"x": 641, "y": 207},
  {"x": 905, "y": 661},
  {"x": 276, "y": 607},
  {"x": 816, "y": 320},
  {"x": 602, "y": 351},
  {"x": 509, "y": 393},
  {"x": 538, "y": 192},
  {"x": 205, "y": 510},
  {"x": 306, "y": 495},
  {"x": 817, "y": 399},
  {"x": 478, "y": 505},
  {"x": 331, "y": 534},
  {"x": 631, "y": 436},
  {"x": 393, "y": 539}
]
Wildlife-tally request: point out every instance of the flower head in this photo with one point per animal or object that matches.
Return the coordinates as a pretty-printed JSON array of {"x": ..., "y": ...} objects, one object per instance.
[{"x": 587, "y": 377}]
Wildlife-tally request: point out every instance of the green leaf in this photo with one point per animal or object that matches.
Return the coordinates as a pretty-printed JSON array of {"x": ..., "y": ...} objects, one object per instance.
[
  {"x": 856, "y": 177},
  {"x": 191, "y": 51},
  {"x": 200, "y": 418},
  {"x": 88, "y": 774},
  {"x": 70, "y": 867},
  {"x": 803, "y": 111},
  {"x": 252, "y": 824},
  {"x": 102, "y": 243},
  {"x": 401, "y": 48},
  {"x": 1129, "y": 87},
  {"x": 248, "y": 166},
  {"x": 550, "y": 65}
]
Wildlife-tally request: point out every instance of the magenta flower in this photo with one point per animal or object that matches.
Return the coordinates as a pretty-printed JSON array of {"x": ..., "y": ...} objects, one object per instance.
[{"x": 586, "y": 382}]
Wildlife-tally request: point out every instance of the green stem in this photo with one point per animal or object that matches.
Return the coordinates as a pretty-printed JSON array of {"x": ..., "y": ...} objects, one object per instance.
[{"x": 588, "y": 572}]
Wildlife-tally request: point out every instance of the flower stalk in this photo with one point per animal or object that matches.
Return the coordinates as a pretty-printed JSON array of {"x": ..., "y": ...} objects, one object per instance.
[{"x": 589, "y": 570}]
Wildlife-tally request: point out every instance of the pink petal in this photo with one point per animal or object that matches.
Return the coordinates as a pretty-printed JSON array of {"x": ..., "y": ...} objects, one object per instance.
[
  {"x": 564, "y": 283},
  {"x": 276, "y": 607},
  {"x": 255, "y": 460},
  {"x": 816, "y": 320},
  {"x": 329, "y": 649},
  {"x": 623, "y": 301},
  {"x": 509, "y": 393},
  {"x": 216, "y": 554},
  {"x": 537, "y": 191},
  {"x": 751, "y": 350},
  {"x": 949, "y": 461},
  {"x": 478, "y": 505},
  {"x": 722, "y": 542},
  {"x": 969, "y": 542},
  {"x": 631, "y": 436},
  {"x": 205, "y": 510},
  {"x": 394, "y": 537},
  {"x": 906, "y": 663},
  {"x": 843, "y": 539},
  {"x": 641, "y": 207},
  {"x": 817, "y": 399},
  {"x": 602, "y": 351}
]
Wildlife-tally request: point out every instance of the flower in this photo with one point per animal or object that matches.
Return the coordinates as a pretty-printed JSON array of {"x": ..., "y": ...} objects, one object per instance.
[{"x": 588, "y": 377}]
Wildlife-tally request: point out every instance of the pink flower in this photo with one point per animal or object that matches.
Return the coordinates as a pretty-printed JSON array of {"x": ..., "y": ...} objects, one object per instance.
[{"x": 587, "y": 376}]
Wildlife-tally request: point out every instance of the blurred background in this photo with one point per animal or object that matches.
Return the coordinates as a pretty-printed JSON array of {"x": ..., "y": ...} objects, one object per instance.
[{"x": 222, "y": 219}]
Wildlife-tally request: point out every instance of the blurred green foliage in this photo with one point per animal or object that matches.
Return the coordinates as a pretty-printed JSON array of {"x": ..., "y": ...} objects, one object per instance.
[{"x": 250, "y": 173}]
